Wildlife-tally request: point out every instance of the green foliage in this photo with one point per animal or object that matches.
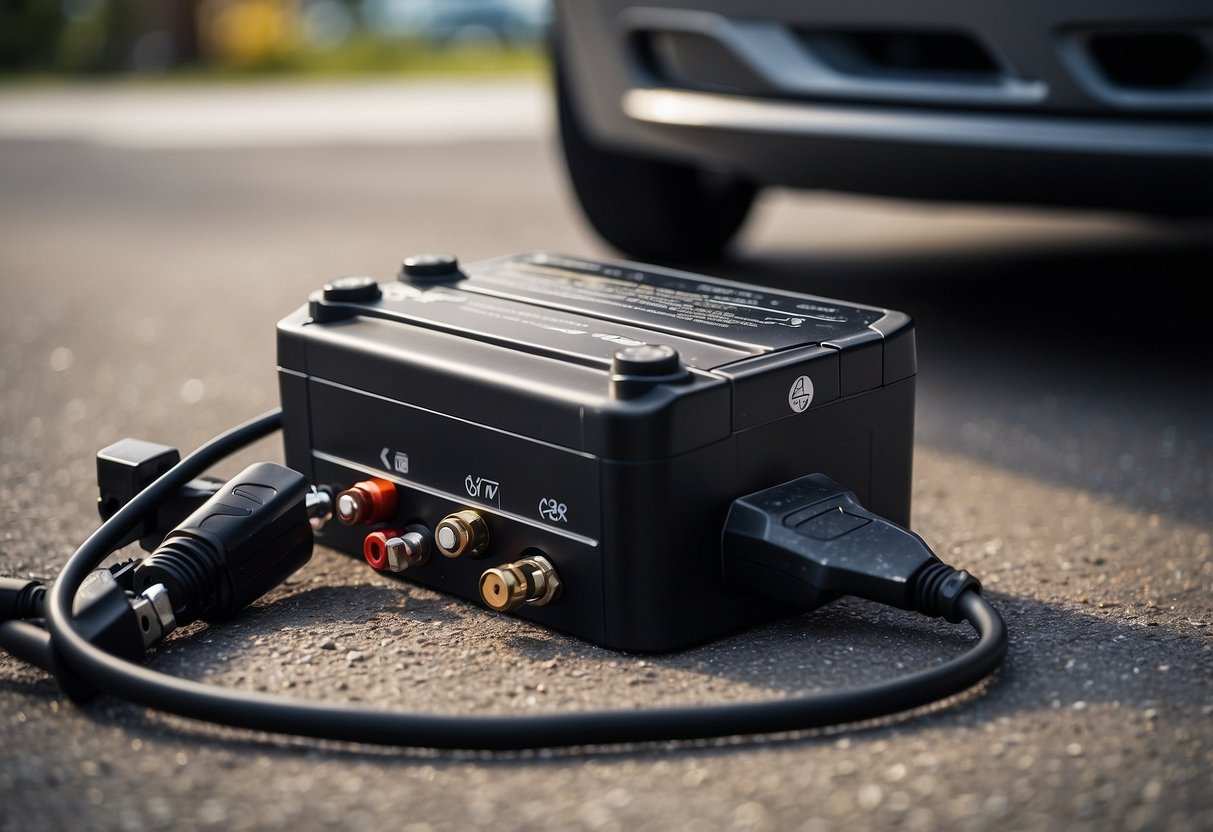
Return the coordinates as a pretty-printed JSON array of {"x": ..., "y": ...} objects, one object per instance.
[
  {"x": 29, "y": 33},
  {"x": 367, "y": 55},
  {"x": 66, "y": 38}
]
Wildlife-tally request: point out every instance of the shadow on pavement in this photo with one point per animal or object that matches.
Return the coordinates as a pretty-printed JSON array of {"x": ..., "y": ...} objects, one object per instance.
[{"x": 1083, "y": 363}]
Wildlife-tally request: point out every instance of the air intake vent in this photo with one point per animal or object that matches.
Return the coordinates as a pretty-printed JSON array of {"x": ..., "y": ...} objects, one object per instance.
[
  {"x": 1177, "y": 61},
  {"x": 907, "y": 54},
  {"x": 694, "y": 61},
  {"x": 705, "y": 51}
]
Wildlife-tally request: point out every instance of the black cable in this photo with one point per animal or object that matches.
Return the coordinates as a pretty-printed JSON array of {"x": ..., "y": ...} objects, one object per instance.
[
  {"x": 263, "y": 712},
  {"x": 29, "y": 643}
]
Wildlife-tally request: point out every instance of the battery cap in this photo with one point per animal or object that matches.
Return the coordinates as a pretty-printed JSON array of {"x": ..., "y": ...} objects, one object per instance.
[
  {"x": 352, "y": 290},
  {"x": 430, "y": 268},
  {"x": 646, "y": 360},
  {"x": 637, "y": 369}
]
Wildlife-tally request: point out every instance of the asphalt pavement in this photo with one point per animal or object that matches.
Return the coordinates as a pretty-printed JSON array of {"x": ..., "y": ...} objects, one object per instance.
[{"x": 151, "y": 238}]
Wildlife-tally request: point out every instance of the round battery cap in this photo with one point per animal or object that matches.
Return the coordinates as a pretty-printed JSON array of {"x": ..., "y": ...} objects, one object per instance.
[
  {"x": 646, "y": 360},
  {"x": 352, "y": 290},
  {"x": 430, "y": 267}
]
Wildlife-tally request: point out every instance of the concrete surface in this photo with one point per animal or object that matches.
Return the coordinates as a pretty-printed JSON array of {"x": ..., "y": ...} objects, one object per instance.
[{"x": 1064, "y": 455}]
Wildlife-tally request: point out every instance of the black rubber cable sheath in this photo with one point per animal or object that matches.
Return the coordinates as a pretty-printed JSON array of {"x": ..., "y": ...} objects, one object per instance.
[
  {"x": 276, "y": 714},
  {"x": 28, "y": 642}
]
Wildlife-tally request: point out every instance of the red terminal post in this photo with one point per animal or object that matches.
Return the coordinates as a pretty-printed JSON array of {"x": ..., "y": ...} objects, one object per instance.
[
  {"x": 374, "y": 548},
  {"x": 369, "y": 501}
]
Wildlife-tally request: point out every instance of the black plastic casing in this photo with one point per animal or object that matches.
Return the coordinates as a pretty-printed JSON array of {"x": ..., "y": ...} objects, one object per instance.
[
  {"x": 810, "y": 541},
  {"x": 501, "y": 388}
]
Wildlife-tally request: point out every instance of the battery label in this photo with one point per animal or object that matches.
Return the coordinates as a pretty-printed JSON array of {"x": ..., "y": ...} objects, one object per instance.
[
  {"x": 538, "y": 329},
  {"x": 718, "y": 311}
]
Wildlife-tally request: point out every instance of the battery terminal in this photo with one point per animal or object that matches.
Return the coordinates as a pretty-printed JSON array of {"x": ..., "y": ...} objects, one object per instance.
[
  {"x": 462, "y": 533},
  {"x": 409, "y": 549},
  {"x": 366, "y": 502},
  {"x": 532, "y": 580}
]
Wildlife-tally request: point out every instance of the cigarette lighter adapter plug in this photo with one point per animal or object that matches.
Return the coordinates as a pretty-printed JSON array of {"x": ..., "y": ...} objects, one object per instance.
[{"x": 803, "y": 543}]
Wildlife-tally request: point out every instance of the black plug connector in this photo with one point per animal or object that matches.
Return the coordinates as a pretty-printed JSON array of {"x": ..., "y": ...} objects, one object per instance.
[
  {"x": 809, "y": 541},
  {"x": 246, "y": 539},
  {"x": 240, "y": 544},
  {"x": 130, "y": 465},
  {"x": 106, "y": 613}
]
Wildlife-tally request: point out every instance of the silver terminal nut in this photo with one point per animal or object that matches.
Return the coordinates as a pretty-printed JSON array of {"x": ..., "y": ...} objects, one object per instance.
[
  {"x": 154, "y": 612},
  {"x": 319, "y": 506},
  {"x": 410, "y": 549}
]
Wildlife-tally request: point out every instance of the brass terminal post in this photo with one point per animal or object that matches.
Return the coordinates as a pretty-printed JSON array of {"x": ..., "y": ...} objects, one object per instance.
[
  {"x": 532, "y": 580},
  {"x": 462, "y": 533}
]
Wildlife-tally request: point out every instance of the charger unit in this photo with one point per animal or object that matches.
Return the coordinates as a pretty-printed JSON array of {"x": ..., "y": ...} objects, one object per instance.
[{"x": 566, "y": 436}]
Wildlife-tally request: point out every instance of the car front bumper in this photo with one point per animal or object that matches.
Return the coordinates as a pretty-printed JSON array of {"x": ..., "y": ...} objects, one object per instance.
[{"x": 750, "y": 89}]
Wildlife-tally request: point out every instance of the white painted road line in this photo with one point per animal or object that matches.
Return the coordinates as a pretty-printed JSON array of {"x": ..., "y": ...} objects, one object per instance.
[{"x": 267, "y": 115}]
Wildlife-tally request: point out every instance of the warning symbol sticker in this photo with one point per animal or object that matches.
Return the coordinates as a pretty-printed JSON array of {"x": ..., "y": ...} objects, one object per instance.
[{"x": 800, "y": 396}]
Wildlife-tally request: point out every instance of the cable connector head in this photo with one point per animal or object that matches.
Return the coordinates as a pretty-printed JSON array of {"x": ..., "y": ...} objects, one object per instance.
[
  {"x": 244, "y": 541},
  {"x": 127, "y": 467},
  {"x": 810, "y": 541},
  {"x": 106, "y": 616}
]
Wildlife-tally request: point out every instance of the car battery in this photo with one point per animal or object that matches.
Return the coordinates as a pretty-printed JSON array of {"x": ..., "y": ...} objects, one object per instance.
[{"x": 568, "y": 434}]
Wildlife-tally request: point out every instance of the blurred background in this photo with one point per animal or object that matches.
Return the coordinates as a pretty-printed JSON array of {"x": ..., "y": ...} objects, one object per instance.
[{"x": 212, "y": 37}]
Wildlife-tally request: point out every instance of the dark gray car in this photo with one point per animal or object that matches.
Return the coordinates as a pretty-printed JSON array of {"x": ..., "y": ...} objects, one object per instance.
[{"x": 673, "y": 114}]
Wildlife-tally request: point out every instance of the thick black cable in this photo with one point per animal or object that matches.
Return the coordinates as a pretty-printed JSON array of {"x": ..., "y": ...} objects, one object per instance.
[
  {"x": 264, "y": 712},
  {"x": 29, "y": 643}
]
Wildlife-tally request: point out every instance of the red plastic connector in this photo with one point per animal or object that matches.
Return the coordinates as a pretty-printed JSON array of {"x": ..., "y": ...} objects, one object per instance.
[
  {"x": 369, "y": 501},
  {"x": 374, "y": 548}
]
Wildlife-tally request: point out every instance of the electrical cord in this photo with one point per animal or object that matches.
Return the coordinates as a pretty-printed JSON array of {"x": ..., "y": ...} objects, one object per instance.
[{"x": 823, "y": 561}]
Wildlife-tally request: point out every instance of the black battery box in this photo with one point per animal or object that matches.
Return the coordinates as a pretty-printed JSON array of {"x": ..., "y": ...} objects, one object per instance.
[{"x": 597, "y": 418}]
